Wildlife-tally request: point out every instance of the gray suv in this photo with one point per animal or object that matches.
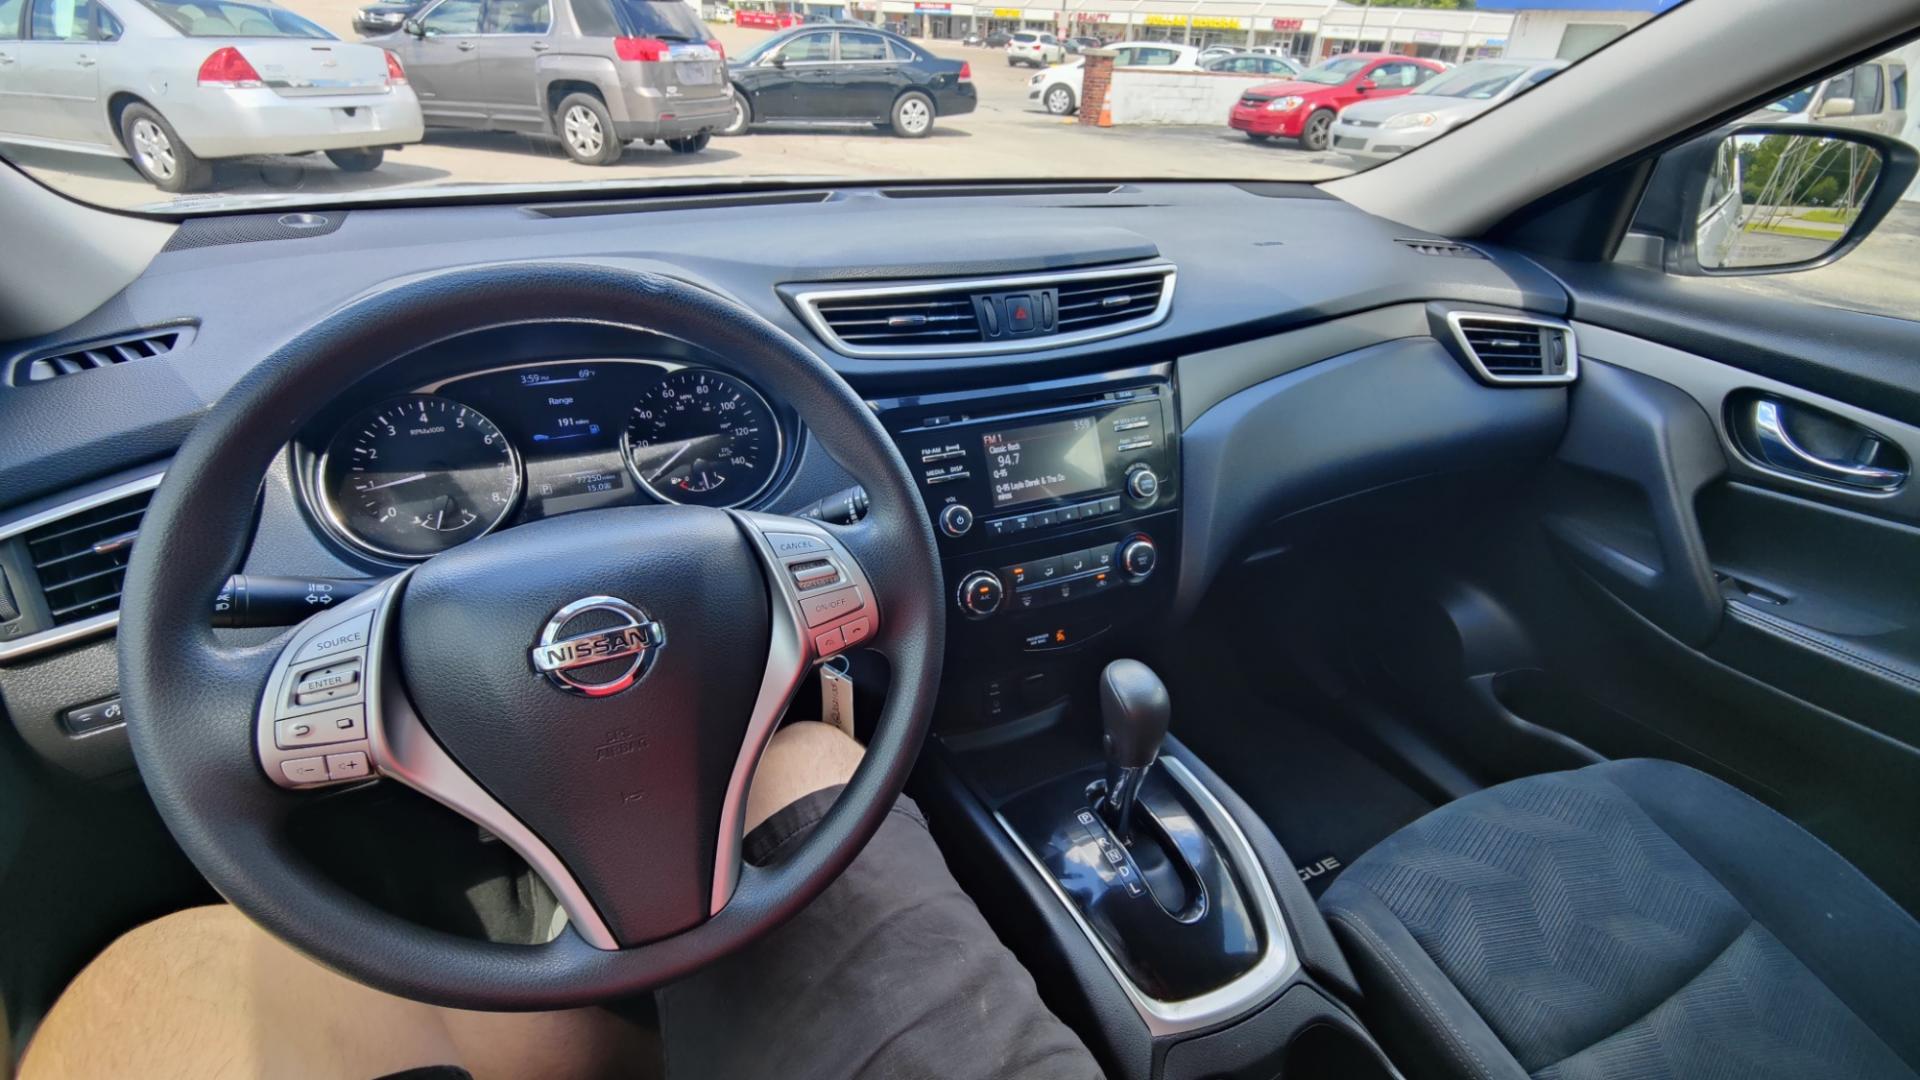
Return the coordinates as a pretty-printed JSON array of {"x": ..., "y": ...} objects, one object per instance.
[{"x": 596, "y": 73}]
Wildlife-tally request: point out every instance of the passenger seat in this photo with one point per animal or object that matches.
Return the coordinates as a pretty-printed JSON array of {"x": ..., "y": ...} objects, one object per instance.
[{"x": 1630, "y": 919}]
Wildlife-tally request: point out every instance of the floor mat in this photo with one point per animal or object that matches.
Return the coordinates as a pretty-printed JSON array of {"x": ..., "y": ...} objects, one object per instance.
[{"x": 1325, "y": 801}]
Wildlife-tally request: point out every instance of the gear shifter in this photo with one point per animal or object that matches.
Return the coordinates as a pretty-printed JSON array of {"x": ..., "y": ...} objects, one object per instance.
[{"x": 1134, "y": 708}]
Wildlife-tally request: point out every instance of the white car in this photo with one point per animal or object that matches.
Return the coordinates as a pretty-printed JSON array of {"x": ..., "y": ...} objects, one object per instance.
[
  {"x": 174, "y": 84},
  {"x": 1028, "y": 47},
  {"x": 1057, "y": 89}
]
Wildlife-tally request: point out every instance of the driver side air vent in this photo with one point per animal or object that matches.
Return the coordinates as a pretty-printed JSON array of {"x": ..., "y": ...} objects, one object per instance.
[
  {"x": 81, "y": 560},
  {"x": 1515, "y": 349},
  {"x": 98, "y": 354},
  {"x": 64, "y": 567},
  {"x": 1442, "y": 248},
  {"x": 940, "y": 318}
]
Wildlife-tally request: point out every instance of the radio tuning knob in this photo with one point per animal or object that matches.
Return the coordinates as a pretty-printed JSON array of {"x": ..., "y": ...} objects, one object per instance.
[
  {"x": 980, "y": 594},
  {"x": 1142, "y": 483},
  {"x": 1138, "y": 557},
  {"x": 956, "y": 520}
]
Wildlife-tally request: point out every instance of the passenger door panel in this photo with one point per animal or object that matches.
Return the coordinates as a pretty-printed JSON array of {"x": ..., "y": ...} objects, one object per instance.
[{"x": 1735, "y": 608}]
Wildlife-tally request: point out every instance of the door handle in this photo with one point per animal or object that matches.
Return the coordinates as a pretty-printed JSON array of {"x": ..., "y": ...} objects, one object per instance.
[
  {"x": 541, "y": 46},
  {"x": 85, "y": 61},
  {"x": 6, "y": 58},
  {"x": 464, "y": 46},
  {"x": 1777, "y": 448}
]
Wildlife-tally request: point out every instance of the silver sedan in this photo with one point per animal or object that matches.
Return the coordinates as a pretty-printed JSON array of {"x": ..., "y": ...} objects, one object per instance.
[{"x": 174, "y": 84}]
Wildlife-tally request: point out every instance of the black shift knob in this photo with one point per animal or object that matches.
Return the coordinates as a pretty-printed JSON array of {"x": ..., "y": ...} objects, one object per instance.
[{"x": 1134, "y": 708}]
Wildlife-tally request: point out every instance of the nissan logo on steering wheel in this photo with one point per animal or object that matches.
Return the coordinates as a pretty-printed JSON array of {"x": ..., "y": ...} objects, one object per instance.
[{"x": 612, "y": 645}]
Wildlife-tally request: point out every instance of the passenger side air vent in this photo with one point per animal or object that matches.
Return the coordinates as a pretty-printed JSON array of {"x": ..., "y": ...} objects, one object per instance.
[
  {"x": 940, "y": 318},
  {"x": 99, "y": 354},
  {"x": 81, "y": 559},
  {"x": 986, "y": 316},
  {"x": 1446, "y": 249},
  {"x": 1514, "y": 349}
]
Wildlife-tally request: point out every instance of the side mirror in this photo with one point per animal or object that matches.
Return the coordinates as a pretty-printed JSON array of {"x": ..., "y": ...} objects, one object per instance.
[
  {"x": 778, "y": 60},
  {"x": 1365, "y": 86},
  {"x": 1834, "y": 107},
  {"x": 413, "y": 28},
  {"x": 1771, "y": 198}
]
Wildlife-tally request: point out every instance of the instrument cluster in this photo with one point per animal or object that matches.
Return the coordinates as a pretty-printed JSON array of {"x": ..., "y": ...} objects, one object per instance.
[{"x": 413, "y": 475}]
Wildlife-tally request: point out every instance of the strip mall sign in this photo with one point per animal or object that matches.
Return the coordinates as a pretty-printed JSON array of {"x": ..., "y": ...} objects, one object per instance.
[
  {"x": 1198, "y": 22},
  {"x": 1289, "y": 26}
]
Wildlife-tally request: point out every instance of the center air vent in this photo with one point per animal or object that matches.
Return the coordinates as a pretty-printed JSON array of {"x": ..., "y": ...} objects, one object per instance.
[
  {"x": 99, "y": 354},
  {"x": 1514, "y": 349},
  {"x": 984, "y": 316},
  {"x": 932, "y": 319}
]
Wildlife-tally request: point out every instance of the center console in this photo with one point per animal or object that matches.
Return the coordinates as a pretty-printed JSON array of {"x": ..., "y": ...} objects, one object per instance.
[
  {"x": 1158, "y": 914},
  {"x": 1057, "y": 511}
]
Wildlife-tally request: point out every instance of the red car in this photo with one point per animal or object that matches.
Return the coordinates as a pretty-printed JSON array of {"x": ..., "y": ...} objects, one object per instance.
[{"x": 1303, "y": 108}]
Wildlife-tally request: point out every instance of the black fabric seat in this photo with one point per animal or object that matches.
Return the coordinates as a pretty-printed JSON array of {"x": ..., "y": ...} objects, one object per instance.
[{"x": 1632, "y": 919}]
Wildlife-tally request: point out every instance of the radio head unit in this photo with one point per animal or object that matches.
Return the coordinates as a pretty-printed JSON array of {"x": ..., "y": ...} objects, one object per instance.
[{"x": 1002, "y": 466}]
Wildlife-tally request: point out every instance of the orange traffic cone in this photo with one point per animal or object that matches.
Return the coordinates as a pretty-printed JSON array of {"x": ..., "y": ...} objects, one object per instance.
[{"x": 1106, "y": 116}]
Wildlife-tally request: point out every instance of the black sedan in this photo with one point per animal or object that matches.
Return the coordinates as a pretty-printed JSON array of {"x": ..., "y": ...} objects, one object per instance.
[
  {"x": 810, "y": 75},
  {"x": 384, "y": 17}
]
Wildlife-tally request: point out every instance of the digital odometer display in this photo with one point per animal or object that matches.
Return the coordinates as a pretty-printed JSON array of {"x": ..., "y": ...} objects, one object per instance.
[
  {"x": 414, "y": 476},
  {"x": 704, "y": 438},
  {"x": 1045, "y": 461}
]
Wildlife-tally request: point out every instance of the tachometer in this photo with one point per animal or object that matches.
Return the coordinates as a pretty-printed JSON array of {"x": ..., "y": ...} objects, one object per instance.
[
  {"x": 704, "y": 438},
  {"x": 414, "y": 476}
]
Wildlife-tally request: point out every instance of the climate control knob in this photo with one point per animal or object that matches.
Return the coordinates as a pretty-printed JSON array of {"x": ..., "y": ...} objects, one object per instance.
[
  {"x": 1142, "y": 483},
  {"x": 956, "y": 520},
  {"x": 1138, "y": 557},
  {"x": 980, "y": 594}
]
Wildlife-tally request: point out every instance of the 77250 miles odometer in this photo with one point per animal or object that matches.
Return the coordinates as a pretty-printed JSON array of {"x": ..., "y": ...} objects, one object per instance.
[
  {"x": 704, "y": 438},
  {"x": 414, "y": 476}
]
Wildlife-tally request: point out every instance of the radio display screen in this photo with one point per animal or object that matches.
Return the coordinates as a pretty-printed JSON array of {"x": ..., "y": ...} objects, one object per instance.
[{"x": 1055, "y": 460}]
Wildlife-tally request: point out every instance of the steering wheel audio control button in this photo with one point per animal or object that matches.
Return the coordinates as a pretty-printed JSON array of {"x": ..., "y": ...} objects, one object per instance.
[
  {"x": 317, "y": 729},
  {"x": 856, "y": 631},
  {"x": 347, "y": 636},
  {"x": 829, "y": 641},
  {"x": 306, "y": 770},
  {"x": 831, "y": 606},
  {"x": 335, "y": 682},
  {"x": 348, "y": 766}
]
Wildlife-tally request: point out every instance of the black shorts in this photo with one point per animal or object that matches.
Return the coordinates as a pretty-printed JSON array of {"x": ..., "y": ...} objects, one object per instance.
[{"x": 892, "y": 973}]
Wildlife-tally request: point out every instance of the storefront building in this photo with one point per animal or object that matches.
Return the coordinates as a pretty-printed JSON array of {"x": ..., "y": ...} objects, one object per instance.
[{"x": 1308, "y": 32}]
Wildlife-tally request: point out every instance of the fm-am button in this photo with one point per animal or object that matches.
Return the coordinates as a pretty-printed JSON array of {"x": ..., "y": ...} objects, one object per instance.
[{"x": 830, "y": 606}]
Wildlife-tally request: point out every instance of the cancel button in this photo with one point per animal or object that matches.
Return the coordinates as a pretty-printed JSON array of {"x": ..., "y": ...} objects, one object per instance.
[{"x": 830, "y": 606}]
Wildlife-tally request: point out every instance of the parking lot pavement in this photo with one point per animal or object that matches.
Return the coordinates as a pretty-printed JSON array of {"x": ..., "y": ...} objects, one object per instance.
[{"x": 1007, "y": 136}]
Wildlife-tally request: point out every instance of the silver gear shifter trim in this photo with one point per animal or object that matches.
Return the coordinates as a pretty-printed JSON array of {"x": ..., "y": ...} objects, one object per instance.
[
  {"x": 1253, "y": 988},
  {"x": 397, "y": 741}
]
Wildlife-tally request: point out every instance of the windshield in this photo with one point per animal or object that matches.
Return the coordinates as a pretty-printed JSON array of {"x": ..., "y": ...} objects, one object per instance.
[
  {"x": 1477, "y": 81},
  {"x": 215, "y": 19},
  {"x": 1333, "y": 72},
  {"x": 315, "y": 103}
]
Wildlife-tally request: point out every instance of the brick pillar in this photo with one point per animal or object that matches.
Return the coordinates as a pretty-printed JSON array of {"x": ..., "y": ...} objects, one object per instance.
[{"x": 1095, "y": 79}]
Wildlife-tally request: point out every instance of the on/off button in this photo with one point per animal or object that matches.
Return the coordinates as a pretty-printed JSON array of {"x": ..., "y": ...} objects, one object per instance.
[{"x": 830, "y": 606}]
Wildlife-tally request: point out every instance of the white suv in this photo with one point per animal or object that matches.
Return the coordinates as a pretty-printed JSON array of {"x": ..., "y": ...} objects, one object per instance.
[
  {"x": 1058, "y": 88},
  {"x": 1039, "y": 50}
]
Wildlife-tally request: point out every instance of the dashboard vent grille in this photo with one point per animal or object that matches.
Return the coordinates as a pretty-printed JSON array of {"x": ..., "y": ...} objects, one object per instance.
[
  {"x": 986, "y": 316},
  {"x": 81, "y": 559},
  {"x": 930, "y": 319},
  {"x": 99, "y": 354},
  {"x": 1113, "y": 300},
  {"x": 1446, "y": 249},
  {"x": 1516, "y": 349}
]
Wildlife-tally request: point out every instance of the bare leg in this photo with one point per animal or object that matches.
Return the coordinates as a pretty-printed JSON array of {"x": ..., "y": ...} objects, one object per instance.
[
  {"x": 801, "y": 758},
  {"x": 206, "y": 994}
]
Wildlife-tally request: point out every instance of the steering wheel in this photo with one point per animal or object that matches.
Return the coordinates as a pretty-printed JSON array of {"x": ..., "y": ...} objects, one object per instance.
[{"x": 595, "y": 689}]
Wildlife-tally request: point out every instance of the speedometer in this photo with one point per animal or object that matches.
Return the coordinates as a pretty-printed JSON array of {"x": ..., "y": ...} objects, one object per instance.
[
  {"x": 704, "y": 438},
  {"x": 414, "y": 476}
]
